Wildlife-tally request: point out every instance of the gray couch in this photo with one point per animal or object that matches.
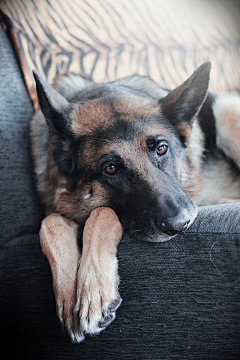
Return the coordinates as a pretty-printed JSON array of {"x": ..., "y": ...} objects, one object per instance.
[{"x": 181, "y": 299}]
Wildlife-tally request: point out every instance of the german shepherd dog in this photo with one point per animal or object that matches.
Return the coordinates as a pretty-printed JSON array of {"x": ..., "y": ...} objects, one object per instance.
[{"x": 125, "y": 155}]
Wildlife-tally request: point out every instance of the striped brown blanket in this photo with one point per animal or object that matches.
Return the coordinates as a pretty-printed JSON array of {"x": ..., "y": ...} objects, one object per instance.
[{"x": 108, "y": 39}]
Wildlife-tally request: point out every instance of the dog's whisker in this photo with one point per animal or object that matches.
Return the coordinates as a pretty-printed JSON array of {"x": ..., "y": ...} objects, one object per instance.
[{"x": 145, "y": 211}]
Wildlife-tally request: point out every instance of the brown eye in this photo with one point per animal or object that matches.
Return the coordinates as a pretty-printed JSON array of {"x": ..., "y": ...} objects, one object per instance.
[
  {"x": 162, "y": 149},
  {"x": 111, "y": 169}
]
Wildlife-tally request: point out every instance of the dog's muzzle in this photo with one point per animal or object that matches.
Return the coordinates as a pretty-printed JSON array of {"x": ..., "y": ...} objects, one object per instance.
[
  {"x": 174, "y": 225},
  {"x": 174, "y": 213}
]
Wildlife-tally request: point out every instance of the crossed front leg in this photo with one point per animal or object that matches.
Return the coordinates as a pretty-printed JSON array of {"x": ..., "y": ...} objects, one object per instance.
[{"x": 85, "y": 286}]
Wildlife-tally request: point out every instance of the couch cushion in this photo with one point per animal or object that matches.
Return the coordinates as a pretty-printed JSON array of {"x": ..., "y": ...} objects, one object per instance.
[
  {"x": 20, "y": 212},
  {"x": 180, "y": 298}
]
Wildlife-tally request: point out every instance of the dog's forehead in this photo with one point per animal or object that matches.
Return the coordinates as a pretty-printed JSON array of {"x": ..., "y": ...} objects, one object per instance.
[{"x": 103, "y": 113}]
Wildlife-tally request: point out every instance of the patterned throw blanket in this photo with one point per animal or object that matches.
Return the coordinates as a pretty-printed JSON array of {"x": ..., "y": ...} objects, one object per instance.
[{"x": 108, "y": 39}]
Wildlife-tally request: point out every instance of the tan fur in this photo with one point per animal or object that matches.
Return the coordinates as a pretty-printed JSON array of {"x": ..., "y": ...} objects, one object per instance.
[
  {"x": 87, "y": 117},
  {"x": 185, "y": 129},
  {"x": 96, "y": 113},
  {"x": 220, "y": 181},
  {"x": 75, "y": 205},
  {"x": 227, "y": 113},
  {"x": 97, "y": 283},
  {"x": 191, "y": 182},
  {"x": 58, "y": 239},
  {"x": 90, "y": 289}
]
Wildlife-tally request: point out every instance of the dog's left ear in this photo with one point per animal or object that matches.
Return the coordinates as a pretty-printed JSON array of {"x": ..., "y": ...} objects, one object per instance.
[
  {"x": 54, "y": 106},
  {"x": 55, "y": 109},
  {"x": 182, "y": 104}
]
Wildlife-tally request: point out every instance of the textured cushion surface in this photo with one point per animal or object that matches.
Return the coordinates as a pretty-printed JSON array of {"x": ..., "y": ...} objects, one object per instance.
[
  {"x": 19, "y": 209},
  {"x": 180, "y": 299}
]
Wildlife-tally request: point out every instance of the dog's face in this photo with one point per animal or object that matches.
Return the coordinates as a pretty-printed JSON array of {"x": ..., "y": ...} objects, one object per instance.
[{"x": 120, "y": 148}]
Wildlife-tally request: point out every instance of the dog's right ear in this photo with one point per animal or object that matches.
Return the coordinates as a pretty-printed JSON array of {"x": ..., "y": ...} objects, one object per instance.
[
  {"x": 54, "y": 106},
  {"x": 182, "y": 104}
]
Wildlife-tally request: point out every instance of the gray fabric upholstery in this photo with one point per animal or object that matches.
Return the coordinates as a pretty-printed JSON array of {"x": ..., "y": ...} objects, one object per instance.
[
  {"x": 222, "y": 219},
  {"x": 180, "y": 298},
  {"x": 19, "y": 211}
]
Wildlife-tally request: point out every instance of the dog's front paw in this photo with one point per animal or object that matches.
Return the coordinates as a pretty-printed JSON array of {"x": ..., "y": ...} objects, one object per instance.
[
  {"x": 97, "y": 280},
  {"x": 98, "y": 300},
  {"x": 58, "y": 239}
]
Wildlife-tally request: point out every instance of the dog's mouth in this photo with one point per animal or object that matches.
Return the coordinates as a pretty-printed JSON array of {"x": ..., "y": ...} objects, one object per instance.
[
  {"x": 150, "y": 235},
  {"x": 156, "y": 237},
  {"x": 152, "y": 232}
]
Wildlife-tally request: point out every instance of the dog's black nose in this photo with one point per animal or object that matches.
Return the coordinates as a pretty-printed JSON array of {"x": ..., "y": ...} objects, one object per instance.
[{"x": 176, "y": 224}]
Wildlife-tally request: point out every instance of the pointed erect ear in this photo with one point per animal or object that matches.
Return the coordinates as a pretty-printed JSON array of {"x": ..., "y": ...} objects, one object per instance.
[
  {"x": 54, "y": 106},
  {"x": 183, "y": 103}
]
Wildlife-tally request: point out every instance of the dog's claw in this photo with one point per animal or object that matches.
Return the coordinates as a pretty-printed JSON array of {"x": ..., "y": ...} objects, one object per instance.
[
  {"x": 109, "y": 314},
  {"x": 112, "y": 307},
  {"x": 60, "y": 312},
  {"x": 77, "y": 338},
  {"x": 106, "y": 321},
  {"x": 62, "y": 323},
  {"x": 115, "y": 305}
]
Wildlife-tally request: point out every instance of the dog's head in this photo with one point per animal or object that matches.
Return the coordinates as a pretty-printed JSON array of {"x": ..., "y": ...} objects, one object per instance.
[{"x": 120, "y": 147}]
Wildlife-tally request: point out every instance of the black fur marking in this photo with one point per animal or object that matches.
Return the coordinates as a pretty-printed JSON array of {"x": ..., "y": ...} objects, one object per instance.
[
  {"x": 67, "y": 154},
  {"x": 120, "y": 130},
  {"x": 133, "y": 212},
  {"x": 64, "y": 157},
  {"x": 54, "y": 106},
  {"x": 207, "y": 123}
]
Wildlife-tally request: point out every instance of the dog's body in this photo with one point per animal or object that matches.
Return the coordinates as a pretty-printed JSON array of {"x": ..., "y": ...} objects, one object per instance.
[{"x": 131, "y": 151}]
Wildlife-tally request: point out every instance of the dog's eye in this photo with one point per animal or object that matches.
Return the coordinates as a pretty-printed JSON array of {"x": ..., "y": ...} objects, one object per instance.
[
  {"x": 162, "y": 149},
  {"x": 111, "y": 169}
]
